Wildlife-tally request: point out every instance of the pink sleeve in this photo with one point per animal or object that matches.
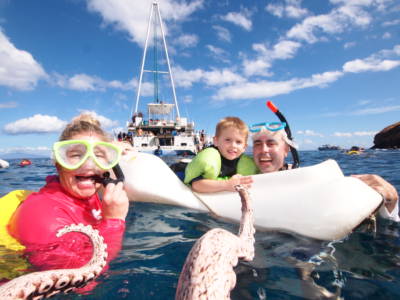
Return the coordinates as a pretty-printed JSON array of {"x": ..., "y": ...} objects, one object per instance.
[
  {"x": 36, "y": 223},
  {"x": 73, "y": 250}
]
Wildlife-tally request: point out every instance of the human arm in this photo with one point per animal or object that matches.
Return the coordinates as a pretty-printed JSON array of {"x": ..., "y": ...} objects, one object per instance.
[
  {"x": 388, "y": 192},
  {"x": 213, "y": 186}
]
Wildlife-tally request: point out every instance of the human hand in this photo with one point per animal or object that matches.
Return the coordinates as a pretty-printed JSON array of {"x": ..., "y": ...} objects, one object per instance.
[
  {"x": 115, "y": 204},
  {"x": 238, "y": 179},
  {"x": 383, "y": 187}
]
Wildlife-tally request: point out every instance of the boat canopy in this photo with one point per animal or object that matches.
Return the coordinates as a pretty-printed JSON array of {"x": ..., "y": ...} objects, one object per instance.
[{"x": 160, "y": 108}]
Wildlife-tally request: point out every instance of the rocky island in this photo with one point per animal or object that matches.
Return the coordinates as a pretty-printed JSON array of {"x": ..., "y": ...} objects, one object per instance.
[{"x": 388, "y": 138}]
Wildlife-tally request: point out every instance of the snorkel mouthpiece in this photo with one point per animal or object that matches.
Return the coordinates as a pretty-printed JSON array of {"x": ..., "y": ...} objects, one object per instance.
[{"x": 106, "y": 179}]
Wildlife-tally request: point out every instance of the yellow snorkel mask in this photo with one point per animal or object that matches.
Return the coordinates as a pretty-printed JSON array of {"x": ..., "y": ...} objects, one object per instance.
[{"x": 72, "y": 154}]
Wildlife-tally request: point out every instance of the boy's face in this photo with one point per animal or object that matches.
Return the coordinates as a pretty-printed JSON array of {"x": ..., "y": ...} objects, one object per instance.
[{"x": 231, "y": 143}]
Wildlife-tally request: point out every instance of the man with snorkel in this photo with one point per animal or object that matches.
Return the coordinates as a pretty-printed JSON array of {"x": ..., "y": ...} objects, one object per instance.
[{"x": 272, "y": 143}]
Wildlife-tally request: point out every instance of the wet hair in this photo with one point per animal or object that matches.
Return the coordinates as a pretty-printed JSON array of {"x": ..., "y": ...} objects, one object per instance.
[
  {"x": 230, "y": 122},
  {"x": 84, "y": 123}
]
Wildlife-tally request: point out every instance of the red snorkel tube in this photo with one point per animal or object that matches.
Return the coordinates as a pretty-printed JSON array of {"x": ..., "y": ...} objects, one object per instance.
[{"x": 295, "y": 154}]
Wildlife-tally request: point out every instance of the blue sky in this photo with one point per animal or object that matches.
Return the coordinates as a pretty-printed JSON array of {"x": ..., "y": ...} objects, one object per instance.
[{"x": 332, "y": 67}]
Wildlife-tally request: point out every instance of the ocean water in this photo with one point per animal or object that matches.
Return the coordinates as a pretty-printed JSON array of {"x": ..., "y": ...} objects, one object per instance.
[{"x": 286, "y": 266}]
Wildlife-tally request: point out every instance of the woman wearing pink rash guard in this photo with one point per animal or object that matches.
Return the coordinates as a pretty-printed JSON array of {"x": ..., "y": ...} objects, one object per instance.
[{"x": 82, "y": 154}]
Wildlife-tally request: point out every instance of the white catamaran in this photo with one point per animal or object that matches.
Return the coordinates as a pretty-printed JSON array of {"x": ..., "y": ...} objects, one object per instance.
[{"x": 161, "y": 128}]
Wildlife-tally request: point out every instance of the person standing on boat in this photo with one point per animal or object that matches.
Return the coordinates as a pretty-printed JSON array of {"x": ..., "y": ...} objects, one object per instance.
[
  {"x": 158, "y": 151},
  {"x": 224, "y": 165},
  {"x": 271, "y": 146},
  {"x": 82, "y": 155}
]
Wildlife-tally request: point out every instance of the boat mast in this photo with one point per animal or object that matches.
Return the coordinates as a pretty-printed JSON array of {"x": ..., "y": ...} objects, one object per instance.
[
  {"x": 155, "y": 63},
  {"x": 156, "y": 10},
  {"x": 143, "y": 61},
  {"x": 166, "y": 55}
]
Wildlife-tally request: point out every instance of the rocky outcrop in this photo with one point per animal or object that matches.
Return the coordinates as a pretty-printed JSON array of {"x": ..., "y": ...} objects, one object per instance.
[{"x": 388, "y": 138}]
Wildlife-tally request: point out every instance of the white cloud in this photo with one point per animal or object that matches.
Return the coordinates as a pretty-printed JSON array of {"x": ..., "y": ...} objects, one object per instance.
[
  {"x": 364, "y": 111},
  {"x": 308, "y": 142},
  {"x": 120, "y": 99},
  {"x": 223, "y": 34},
  {"x": 320, "y": 80},
  {"x": 186, "y": 78},
  {"x": 379, "y": 61},
  {"x": 363, "y": 102},
  {"x": 242, "y": 19},
  {"x": 309, "y": 132},
  {"x": 262, "y": 89},
  {"x": 284, "y": 49},
  {"x": 275, "y": 9},
  {"x": 347, "y": 15},
  {"x": 375, "y": 110},
  {"x": 147, "y": 88},
  {"x": 11, "y": 104},
  {"x": 105, "y": 122},
  {"x": 18, "y": 68},
  {"x": 218, "y": 53},
  {"x": 349, "y": 45},
  {"x": 35, "y": 124},
  {"x": 374, "y": 65},
  {"x": 187, "y": 40},
  {"x": 42, "y": 150},
  {"x": 343, "y": 134},
  {"x": 391, "y": 23},
  {"x": 187, "y": 99},
  {"x": 132, "y": 16},
  {"x": 291, "y": 9},
  {"x": 365, "y": 133},
  {"x": 356, "y": 133},
  {"x": 84, "y": 82},
  {"x": 386, "y": 36},
  {"x": 249, "y": 90},
  {"x": 259, "y": 66},
  {"x": 216, "y": 50},
  {"x": 221, "y": 77}
]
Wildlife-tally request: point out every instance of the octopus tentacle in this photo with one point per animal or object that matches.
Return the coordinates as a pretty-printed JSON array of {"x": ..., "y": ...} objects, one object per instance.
[
  {"x": 208, "y": 271},
  {"x": 44, "y": 284}
]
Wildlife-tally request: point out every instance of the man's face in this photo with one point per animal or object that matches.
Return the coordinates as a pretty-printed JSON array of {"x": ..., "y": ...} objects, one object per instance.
[
  {"x": 269, "y": 151},
  {"x": 231, "y": 143}
]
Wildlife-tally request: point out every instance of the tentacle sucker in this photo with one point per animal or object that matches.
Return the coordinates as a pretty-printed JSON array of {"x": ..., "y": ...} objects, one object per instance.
[
  {"x": 208, "y": 271},
  {"x": 38, "y": 285}
]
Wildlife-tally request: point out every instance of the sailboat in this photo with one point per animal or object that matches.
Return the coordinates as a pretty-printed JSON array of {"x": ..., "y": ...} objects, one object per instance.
[{"x": 161, "y": 129}]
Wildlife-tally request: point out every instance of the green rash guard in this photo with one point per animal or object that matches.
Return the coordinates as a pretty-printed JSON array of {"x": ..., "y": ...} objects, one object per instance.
[{"x": 207, "y": 164}]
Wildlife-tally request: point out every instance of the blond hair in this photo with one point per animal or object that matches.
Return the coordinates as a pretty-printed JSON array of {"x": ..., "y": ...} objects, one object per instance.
[
  {"x": 84, "y": 123},
  {"x": 230, "y": 122}
]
